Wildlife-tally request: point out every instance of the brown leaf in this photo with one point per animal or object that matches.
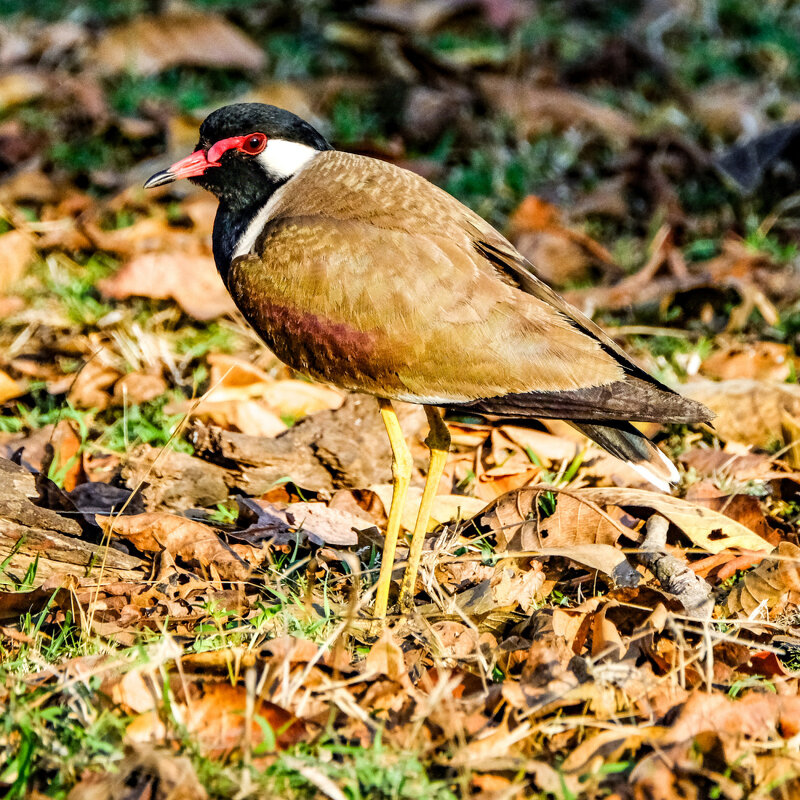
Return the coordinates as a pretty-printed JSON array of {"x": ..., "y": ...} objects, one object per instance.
[
  {"x": 760, "y": 715},
  {"x": 67, "y": 446},
  {"x": 511, "y": 585},
  {"x": 182, "y": 538},
  {"x": 150, "y": 44},
  {"x": 559, "y": 260},
  {"x": 561, "y": 254},
  {"x": 91, "y": 386},
  {"x": 576, "y": 522},
  {"x": 139, "y": 387},
  {"x": 386, "y": 658},
  {"x": 763, "y": 361},
  {"x": 537, "y": 110},
  {"x": 18, "y": 252},
  {"x": 150, "y": 773},
  {"x": 728, "y": 463},
  {"x": 191, "y": 280},
  {"x": 769, "y": 583},
  {"x": 706, "y": 528},
  {"x": 446, "y": 507},
  {"x": 737, "y": 267},
  {"x": 325, "y": 525},
  {"x": 748, "y": 411},
  {"x": 9, "y": 388}
]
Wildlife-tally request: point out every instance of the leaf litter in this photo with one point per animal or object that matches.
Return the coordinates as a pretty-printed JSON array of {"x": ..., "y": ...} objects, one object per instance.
[{"x": 190, "y": 534}]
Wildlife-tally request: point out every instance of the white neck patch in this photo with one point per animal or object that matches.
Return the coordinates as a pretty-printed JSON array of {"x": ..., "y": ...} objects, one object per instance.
[{"x": 282, "y": 158}]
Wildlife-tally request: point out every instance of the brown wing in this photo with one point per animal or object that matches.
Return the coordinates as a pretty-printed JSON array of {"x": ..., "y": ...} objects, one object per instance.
[{"x": 369, "y": 277}]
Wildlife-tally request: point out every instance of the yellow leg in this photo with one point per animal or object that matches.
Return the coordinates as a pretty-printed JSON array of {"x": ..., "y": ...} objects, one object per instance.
[
  {"x": 438, "y": 441},
  {"x": 401, "y": 471}
]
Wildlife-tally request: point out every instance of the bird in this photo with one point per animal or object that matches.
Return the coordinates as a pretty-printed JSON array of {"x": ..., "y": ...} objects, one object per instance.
[{"x": 362, "y": 274}]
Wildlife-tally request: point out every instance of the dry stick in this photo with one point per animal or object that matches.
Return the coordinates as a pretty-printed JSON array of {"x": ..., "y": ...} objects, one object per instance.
[{"x": 675, "y": 577}]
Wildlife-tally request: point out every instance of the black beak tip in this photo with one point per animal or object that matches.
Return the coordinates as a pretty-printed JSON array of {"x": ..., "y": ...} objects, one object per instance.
[{"x": 159, "y": 179}]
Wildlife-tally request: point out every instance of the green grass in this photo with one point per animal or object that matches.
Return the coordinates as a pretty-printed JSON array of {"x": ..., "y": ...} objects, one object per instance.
[
  {"x": 494, "y": 180},
  {"x": 147, "y": 423},
  {"x": 183, "y": 90},
  {"x": 73, "y": 284},
  {"x": 196, "y": 341},
  {"x": 753, "y": 39}
]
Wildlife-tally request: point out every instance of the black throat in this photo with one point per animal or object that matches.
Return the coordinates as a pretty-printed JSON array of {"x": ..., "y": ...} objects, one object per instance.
[{"x": 233, "y": 219}]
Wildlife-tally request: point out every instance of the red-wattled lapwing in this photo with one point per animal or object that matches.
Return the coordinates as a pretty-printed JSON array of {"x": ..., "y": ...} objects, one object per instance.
[{"x": 367, "y": 276}]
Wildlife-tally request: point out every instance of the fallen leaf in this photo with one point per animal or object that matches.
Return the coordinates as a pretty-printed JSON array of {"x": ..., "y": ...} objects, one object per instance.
[
  {"x": 456, "y": 639},
  {"x": 147, "y": 45},
  {"x": 763, "y": 361},
  {"x": 9, "y": 388},
  {"x": 575, "y": 522},
  {"x": 446, "y": 507},
  {"x": 707, "y": 529},
  {"x": 324, "y": 525},
  {"x": 191, "y": 280},
  {"x": 537, "y": 110},
  {"x": 18, "y": 252},
  {"x": 748, "y": 411},
  {"x": 160, "y": 774},
  {"x": 182, "y": 538},
  {"x": 91, "y": 387},
  {"x": 511, "y": 585},
  {"x": 769, "y": 583},
  {"x": 761, "y": 715},
  {"x": 385, "y": 657},
  {"x": 66, "y": 465},
  {"x": 139, "y": 387}
]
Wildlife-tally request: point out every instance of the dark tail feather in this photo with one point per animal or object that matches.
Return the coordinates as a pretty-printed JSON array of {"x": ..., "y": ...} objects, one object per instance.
[{"x": 628, "y": 444}]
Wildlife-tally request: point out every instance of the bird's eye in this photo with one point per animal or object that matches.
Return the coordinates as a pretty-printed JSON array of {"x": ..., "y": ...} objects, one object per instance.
[{"x": 254, "y": 144}]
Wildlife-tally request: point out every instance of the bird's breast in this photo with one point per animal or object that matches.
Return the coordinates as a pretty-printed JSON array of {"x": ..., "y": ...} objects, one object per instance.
[{"x": 313, "y": 343}]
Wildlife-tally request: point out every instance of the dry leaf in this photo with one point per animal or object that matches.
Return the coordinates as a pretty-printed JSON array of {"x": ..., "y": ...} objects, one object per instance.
[
  {"x": 603, "y": 557},
  {"x": 446, "y": 507},
  {"x": 537, "y": 110},
  {"x": 191, "y": 280},
  {"x": 575, "y": 522},
  {"x": 9, "y": 388},
  {"x": 769, "y": 583},
  {"x": 18, "y": 252},
  {"x": 707, "y": 529},
  {"x": 139, "y": 387},
  {"x": 147, "y": 45},
  {"x": 748, "y": 411},
  {"x": 325, "y": 525},
  {"x": 170, "y": 776},
  {"x": 561, "y": 254},
  {"x": 91, "y": 386},
  {"x": 511, "y": 585},
  {"x": 763, "y": 361},
  {"x": 182, "y": 538},
  {"x": 385, "y": 657},
  {"x": 67, "y": 463}
]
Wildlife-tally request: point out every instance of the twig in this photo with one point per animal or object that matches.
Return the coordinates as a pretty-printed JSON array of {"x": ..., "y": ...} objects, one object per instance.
[{"x": 675, "y": 577}]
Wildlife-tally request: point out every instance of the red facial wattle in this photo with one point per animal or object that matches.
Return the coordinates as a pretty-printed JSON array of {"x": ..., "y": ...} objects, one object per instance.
[{"x": 198, "y": 162}]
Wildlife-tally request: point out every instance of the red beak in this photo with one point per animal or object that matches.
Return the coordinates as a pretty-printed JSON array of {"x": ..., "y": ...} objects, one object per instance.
[{"x": 190, "y": 167}]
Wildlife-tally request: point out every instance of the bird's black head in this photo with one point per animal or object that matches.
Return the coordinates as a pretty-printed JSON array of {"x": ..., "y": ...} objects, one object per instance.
[{"x": 245, "y": 152}]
